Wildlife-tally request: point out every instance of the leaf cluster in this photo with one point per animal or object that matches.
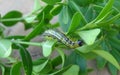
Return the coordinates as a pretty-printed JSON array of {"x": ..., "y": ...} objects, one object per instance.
[{"x": 96, "y": 22}]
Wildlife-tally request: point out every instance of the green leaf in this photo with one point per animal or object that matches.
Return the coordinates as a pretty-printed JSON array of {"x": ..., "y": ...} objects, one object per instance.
[
  {"x": 76, "y": 7},
  {"x": 15, "y": 70},
  {"x": 5, "y": 48},
  {"x": 26, "y": 60},
  {"x": 77, "y": 59},
  {"x": 116, "y": 54},
  {"x": 51, "y": 2},
  {"x": 75, "y": 22},
  {"x": 113, "y": 19},
  {"x": 107, "y": 56},
  {"x": 73, "y": 70},
  {"x": 37, "y": 5},
  {"x": 101, "y": 63},
  {"x": 86, "y": 48},
  {"x": 59, "y": 72},
  {"x": 64, "y": 18},
  {"x": 62, "y": 56},
  {"x": 105, "y": 10},
  {"x": 39, "y": 67},
  {"x": 112, "y": 69},
  {"x": 89, "y": 36},
  {"x": 116, "y": 5},
  {"x": 30, "y": 19},
  {"x": 106, "y": 16},
  {"x": 56, "y": 61},
  {"x": 38, "y": 29},
  {"x": 47, "y": 47},
  {"x": 7, "y": 70},
  {"x": 65, "y": 15},
  {"x": 56, "y": 10},
  {"x": 2, "y": 69},
  {"x": 11, "y": 15},
  {"x": 39, "y": 61}
]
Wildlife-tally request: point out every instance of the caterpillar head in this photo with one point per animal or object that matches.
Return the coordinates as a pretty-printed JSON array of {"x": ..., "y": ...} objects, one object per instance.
[{"x": 80, "y": 42}]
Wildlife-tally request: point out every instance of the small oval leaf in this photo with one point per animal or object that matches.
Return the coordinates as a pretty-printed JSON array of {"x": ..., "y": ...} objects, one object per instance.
[
  {"x": 47, "y": 47},
  {"x": 89, "y": 36},
  {"x": 75, "y": 22},
  {"x": 26, "y": 59},
  {"x": 12, "y": 16},
  {"x": 15, "y": 70},
  {"x": 73, "y": 70},
  {"x": 5, "y": 48}
]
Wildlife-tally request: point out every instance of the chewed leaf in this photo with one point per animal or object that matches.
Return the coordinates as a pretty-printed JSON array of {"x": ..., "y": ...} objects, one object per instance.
[
  {"x": 89, "y": 36},
  {"x": 5, "y": 48}
]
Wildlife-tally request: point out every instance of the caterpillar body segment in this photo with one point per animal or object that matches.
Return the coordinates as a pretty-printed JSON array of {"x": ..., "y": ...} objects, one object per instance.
[{"x": 63, "y": 38}]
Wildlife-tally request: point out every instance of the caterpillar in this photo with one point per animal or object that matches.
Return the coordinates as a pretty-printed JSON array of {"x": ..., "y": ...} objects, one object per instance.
[{"x": 63, "y": 38}]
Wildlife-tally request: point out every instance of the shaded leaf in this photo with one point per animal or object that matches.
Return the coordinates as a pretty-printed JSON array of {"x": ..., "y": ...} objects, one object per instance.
[
  {"x": 51, "y": 2},
  {"x": 15, "y": 70},
  {"x": 40, "y": 66},
  {"x": 62, "y": 56},
  {"x": 26, "y": 60},
  {"x": 101, "y": 63},
  {"x": 2, "y": 69},
  {"x": 105, "y": 10},
  {"x": 77, "y": 59},
  {"x": 107, "y": 56},
  {"x": 73, "y": 70},
  {"x": 112, "y": 69},
  {"x": 56, "y": 10}
]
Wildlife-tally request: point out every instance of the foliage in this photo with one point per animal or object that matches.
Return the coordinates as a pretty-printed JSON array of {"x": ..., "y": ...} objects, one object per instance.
[{"x": 96, "y": 22}]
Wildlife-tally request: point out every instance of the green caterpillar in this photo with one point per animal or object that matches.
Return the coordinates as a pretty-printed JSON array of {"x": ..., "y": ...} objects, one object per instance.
[{"x": 63, "y": 38}]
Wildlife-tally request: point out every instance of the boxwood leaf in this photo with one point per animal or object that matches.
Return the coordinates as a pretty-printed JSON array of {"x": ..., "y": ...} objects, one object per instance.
[
  {"x": 101, "y": 62},
  {"x": 5, "y": 48},
  {"x": 105, "y": 10},
  {"x": 15, "y": 70},
  {"x": 47, "y": 47},
  {"x": 107, "y": 56},
  {"x": 89, "y": 36},
  {"x": 51, "y": 2},
  {"x": 56, "y": 10},
  {"x": 73, "y": 70},
  {"x": 12, "y": 18},
  {"x": 26, "y": 60},
  {"x": 38, "y": 29},
  {"x": 2, "y": 69},
  {"x": 75, "y": 22},
  {"x": 62, "y": 56},
  {"x": 113, "y": 70},
  {"x": 38, "y": 68}
]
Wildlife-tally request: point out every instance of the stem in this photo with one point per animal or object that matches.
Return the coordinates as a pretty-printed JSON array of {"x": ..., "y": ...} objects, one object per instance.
[
  {"x": 27, "y": 43},
  {"x": 11, "y": 19}
]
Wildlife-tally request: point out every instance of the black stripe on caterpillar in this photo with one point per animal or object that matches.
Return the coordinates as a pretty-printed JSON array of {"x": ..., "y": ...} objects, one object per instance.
[{"x": 63, "y": 38}]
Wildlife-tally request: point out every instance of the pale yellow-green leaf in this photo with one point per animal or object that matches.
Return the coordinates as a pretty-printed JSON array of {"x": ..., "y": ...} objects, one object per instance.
[
  {"x": 5, "y": 48},
  {"x": 89, "y": 36}
]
